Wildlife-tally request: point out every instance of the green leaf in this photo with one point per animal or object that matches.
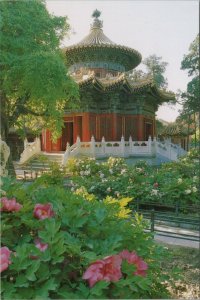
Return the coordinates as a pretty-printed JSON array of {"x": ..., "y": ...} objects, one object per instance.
[
  {"x": 21, "y": 281},
  {"x": 30, "y": 273},
  {"x": 100, "y": 214},
  {"x": 43, "y": 291},
  {"x": 99, "y": 286},
  {"x": 43, "y": 272}
]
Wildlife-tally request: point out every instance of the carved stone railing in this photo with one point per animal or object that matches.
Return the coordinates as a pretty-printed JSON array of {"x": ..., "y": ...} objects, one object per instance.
[
  {"x": 30, "y": 150},
  {"x": 122, "y": 148},
  {"x": 169, "y": 150}
]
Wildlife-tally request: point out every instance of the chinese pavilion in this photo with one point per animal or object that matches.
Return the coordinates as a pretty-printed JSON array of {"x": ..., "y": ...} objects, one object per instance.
[{"x": 112, "y": 104}]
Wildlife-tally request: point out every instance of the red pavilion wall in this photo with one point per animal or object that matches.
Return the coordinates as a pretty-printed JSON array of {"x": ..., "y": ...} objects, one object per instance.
[{"x": 110, "y": 125}]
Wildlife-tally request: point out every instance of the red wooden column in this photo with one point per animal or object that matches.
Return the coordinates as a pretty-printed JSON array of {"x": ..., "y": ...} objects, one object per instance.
[
  {"x": 86, "y": 127},
  {"x": 75, "y": 129},
  {"x": 140, "y": 127},
  {"x": 48, "y": 141},
  {"x": 114, "y": 126}
]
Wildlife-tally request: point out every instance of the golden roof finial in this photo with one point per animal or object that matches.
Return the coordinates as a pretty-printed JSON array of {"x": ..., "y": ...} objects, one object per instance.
[
  {"x": 96, "y": 13},
  {"x": 97, "y": 24}
]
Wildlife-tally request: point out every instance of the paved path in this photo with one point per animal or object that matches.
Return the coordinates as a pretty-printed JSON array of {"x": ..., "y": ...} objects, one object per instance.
[{"x": 176, "y": 240}]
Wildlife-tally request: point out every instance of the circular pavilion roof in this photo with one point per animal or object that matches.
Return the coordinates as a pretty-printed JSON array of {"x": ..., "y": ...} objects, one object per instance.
[{"x": 96, "y": 46}]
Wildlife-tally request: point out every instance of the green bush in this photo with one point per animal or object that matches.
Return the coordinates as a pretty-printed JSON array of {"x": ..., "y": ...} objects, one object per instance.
[
  {"x": 170, "y": 183},
  {"x": 56, "y": 235}
]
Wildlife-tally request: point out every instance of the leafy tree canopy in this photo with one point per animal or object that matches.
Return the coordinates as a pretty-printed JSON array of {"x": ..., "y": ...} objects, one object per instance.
[
  {"x": 190, "y": 62},
  {"x": 34, "y": 81},
  {"x": 155, "y": 67}
]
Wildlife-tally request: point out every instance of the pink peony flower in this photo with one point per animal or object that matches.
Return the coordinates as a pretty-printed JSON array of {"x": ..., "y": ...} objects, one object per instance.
[
  {"x": 133, "y": 258},
  {"x": 141, "y": 267},
  {"x": 4, "y": 258},
  {"x": 43, "y": 211},
  {"x": 41, "y": 246},
  {"x": 9, "y": 205},
  {"x": 108, "y": 269}
]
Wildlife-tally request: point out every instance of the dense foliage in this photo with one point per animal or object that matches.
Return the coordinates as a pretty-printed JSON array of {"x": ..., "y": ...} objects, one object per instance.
[
  {"x": 172, "y": 183},
  {"x": 155, "y": 67},
  {"x": 190, "y": 63},
  {"x": 60, "y": 244},
  {"x": 35, "y": 87}
]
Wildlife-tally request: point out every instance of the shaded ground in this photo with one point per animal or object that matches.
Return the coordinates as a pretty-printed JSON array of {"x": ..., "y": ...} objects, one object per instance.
[{"x": 188, "y": 261}]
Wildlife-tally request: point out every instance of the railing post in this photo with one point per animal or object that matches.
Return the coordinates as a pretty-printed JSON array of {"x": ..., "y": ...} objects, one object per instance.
[
  {"x": 122, "y": 145},
  {"x": 177, "y": 208},
  {"x": 78, "y": 143},
  {"x": 149, "y": 145},
  {"x": 130, "y": 145},
  {"x": 93, "y": 146},
  {"x": 152, "y": 220},
  {"x": 154, "y": 147},
  {"x": 103, "y": 145},
  {"x": 66, "y": 155}
]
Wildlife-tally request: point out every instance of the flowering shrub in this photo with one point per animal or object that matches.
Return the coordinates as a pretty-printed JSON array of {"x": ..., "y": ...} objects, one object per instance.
[
  {"x": 171, "y": 183},
  {"x": 9, "y": 205},
  {"x": 43, "y": 211},
  {"x": 77, "y": 250},
  {"x": 4, "y": 258},
  {"x": 108, "y": 269}
]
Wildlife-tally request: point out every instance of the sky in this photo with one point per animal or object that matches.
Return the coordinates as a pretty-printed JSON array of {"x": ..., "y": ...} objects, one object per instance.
[{"x": 164, "y": 28}]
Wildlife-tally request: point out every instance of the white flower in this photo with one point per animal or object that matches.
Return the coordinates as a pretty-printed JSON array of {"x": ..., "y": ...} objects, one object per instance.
[
  {"x": 139, "y": 169},
  {"x": 180, "y": 180},
  {"x": 101, "y": 175},
  {"x": 104, "y": 180},
  {"x": 154, "y": 193},
  {"x": 187, "y": 192},
  {"x": 194, "y": 189},
  {"x": 82, "y": 173},
  {"x": 123, "y": 171},
  {"x": 108, "y": 189},
  {"x": 72, "y": 189},
  {"x": 87, "y": 172},
  {"x": 111, "y": 171},
  {"x": 195, "y": 178}
]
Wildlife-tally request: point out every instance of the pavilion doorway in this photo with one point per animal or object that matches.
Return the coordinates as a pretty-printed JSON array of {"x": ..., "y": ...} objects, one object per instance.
[{"x": 67, "y": 135}]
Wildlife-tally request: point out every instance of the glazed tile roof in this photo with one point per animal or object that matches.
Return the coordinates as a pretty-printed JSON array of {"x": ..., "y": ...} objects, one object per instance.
[
  {"x": 96, "y": 36},
  {"x": 97, "y": 42},
  {"x": 123, "y": 80},
  {"x": 177, "y": 130}
]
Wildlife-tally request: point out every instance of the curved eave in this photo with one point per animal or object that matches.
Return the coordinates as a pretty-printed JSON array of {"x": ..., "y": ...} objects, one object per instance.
[
  {"x": 91, "y": 81},
  {"x": 177, "y": 131},
  {"x": 130, "y": 58},
  {"x": 165, "y": 96},
  {"x": 123, "y": 83}
]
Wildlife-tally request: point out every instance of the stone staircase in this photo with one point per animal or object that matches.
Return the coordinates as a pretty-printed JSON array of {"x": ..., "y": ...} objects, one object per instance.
[{"x": 37, "y": 165}]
